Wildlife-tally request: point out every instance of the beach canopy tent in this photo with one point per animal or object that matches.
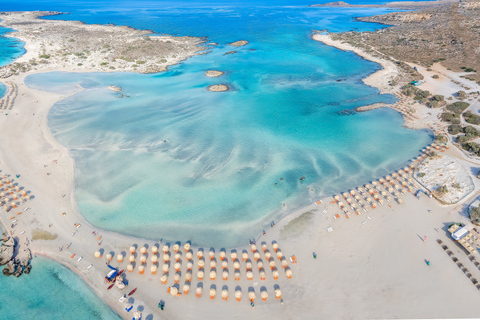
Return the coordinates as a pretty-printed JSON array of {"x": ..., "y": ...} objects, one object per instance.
[{"x": 460, "y": 233}]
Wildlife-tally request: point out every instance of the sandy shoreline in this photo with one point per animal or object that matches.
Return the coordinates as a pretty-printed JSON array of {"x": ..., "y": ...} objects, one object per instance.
[{"x": 369, "y": 266}]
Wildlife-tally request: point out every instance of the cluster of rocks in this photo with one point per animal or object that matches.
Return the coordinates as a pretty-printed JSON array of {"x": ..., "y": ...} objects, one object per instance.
[{"x": 13, "y": 266}]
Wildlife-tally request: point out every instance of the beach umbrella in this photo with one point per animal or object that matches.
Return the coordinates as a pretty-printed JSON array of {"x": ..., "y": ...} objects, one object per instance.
[
  {"x": 189, "y": 255},
  {"x": 154, "y": 259},
  {"x": 288, "y": 273},
  {"x": 108, "y": 257},
  {"x": 397, "y": 186},
  {"x": 388, "y": 178},
  {"x": 141, "y": 269},
  {"x": 336, "y": 198},
  {"x": 177, "y": 256},
  {"x": 153, "y": 269},
  {"x": 279, "y": 255},
  {"x": 249, "y": 275},
  {"x": 399, "y": 201},
  {"x": 236, "y": 265},
  {"x": 120, "y": 257},
  {"x": 166, "y": 257},
  {"x": 249, "y": 265},
  {"x": 186, "y": 247},
  {"x": 225, "y": 275},
  {"x": 284, "y": 263},
  {"x": 165, "y": 268},
  {"x": 165, "y": 249},
  {"x": 213, "y": 292},
  {"x": 237, "y": 275},
  {"x": 225, "y": 294},
  {"x": 352, "y": 192},
  {"x": 176, "y": 278},
  {"x": 367, "y": 186},
  {"x": 340, "y": 204},
  {"x": 268, "y": 255},
  {"x": 272, "y": 264},
  {"x": 97, "y": 254},
  {"x": 244, "y": 256},
  {"x": 154, "y": 250},
  {"x": 278, "y": 294},
  {"x": 143, "y": 259},
  {"x": 131, "y": 258},
  {"x": 201, "y": 263},
  {"x": 222, "y": 255},
  {"x": 390, "y": 190},
  {"x": 176, "y": 247},
  {"x": 143, "y": 250},
  {"x": 260, "y": 264},
  {"x": 211, "y": 254},
  {"x": 394, "y": 175},
  {"x": 262, "y": 274},
  {"x": 2, "y": 194},
  {"x": 173, "y": 291},
  {"x": 251, "y": 296},
  {"x": 384, "y": 193},
  {"x": 130, "y": 268},
  {"x": 177, "y": 266},
  {"x": 275, "y": 274},
  {"x": 189, "y": 265},
  {"x": 200, "y": 274},
  {"x": 199, "y": 254},
  {"x": 186, "y": 288},
  {"x": 132, "y": 250},
  {"x": 224, "y": 264},
  {"x": 13, "y": 204},
  {"x": 256, "y": 255},
  {"x": 213, "y": 264},
  {"x": 349, "y": 201},
  {"x": 199, "y": 291},
  {"x": 360, "y": 189},
  {"x": 345, "y": 195},
  {"x": 238, "y": 295},
  {"x": 28, "y": 197},
  {"x": 369, "y": 199},
  {"x": 233, "y": 256},
  {"x": 396, "y": 194},
  {"x": 357, "y": 198},
  {"x": 264, "y": 247},
  {"x": 374, "y": 183},
  {"x": 188, "y": 277},
  {"x": 381, "y": 180},
  {"x": 213, "y": 274},
  {"x": 264, "y": 295},
  {"x": 253, "y": 247}
]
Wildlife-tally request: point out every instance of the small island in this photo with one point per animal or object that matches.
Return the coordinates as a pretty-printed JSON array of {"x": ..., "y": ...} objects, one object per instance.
[
  {"x": 239, "y": 43},
  {"x": 218, "y": 88},
  {"x": 214, "y": 73}
]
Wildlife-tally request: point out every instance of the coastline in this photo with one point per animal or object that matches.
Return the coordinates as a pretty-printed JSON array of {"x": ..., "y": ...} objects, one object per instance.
[{"x": 49, "y": 205}]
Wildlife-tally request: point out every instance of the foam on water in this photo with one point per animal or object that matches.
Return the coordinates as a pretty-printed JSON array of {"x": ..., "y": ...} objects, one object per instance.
[{"x": 50, "y": 291}]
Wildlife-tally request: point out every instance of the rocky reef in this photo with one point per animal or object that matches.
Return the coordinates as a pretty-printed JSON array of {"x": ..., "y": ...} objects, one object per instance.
[
  {"x": 213, "y": 73},
  {"x": 239, "y": 43},
  {"x": 13, "y": 266},
  {"x": 218, "y": 88},
  {"x": 6, "y": 250}
]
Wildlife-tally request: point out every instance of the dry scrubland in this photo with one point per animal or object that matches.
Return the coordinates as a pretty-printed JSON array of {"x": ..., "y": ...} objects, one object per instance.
[{"x": 75, "y": 45}]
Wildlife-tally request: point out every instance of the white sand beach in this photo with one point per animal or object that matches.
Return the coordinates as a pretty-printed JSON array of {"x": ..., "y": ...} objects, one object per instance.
[{"x": 372, "y": 265}]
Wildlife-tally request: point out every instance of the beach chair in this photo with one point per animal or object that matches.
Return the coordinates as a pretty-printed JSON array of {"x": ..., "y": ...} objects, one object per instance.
[
  {"x": 293, "y": 259},
  {"x": 337, "y": 216},
  {"x": 199, "y": 294}
]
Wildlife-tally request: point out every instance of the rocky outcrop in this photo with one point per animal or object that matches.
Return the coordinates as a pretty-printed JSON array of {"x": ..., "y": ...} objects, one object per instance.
[
  {"x": 239, "y": 43},
  {"x": 6, "y": 250},
  {"x": 9, "y": 269},
  {"x": 213, "y": 73},
  {"x": 218, "y": 88}
]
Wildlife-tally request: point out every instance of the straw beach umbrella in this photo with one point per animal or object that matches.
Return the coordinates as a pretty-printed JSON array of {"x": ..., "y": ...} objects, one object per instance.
[
  {"x": 189, "y": 266},
  {"x": 176, "y": 247},
  {"x": 279, "y": 255},
  {"x": 237, "y": 275},
  {"x": 264, "y": 247},
  {"x": 236, "y": 265},
  {"x": 224, "y": 264},
  {"x": 260, "y": 264},
  {"x": 284, "y": 263},
  {"x": 225, "y": 275},
  {"x": 141, "y": 269},
  {"x": 288, "y": 273},
  {"x": 249, "y": 265},
  {"x": 262, "y": 274},
  {"x": 177, "y": 256},
  {"x": 186, "y": 288},
  {"x": 154, "y": 250},
  {"x": 213, "y": 264},
  {"x": 176, "y": 278},
  {"x": 213, "y": 274},
  {"x": 173, "y": 291},
  {"x": 132, "y": 250},
  {"x": 268, "y": 255},
  {"x": 251, "y": 296},
  {"x": 120, "y": 257},
  {"x": 189, "y": 255},
  {"x": 165, "y": 268},
  {"x": 272, "y": 264},
  {"x": 278, "y": 294},
  {"x": 264, "y": 295},
  {"x": 249, "y": 275},
  {"x": 108, "y": 257},
  {"x": 275, "y": 274},
  {"x": 211, "y": 254},
  {"x": 177, "y": 266},
  {"x": 199, "y": 254},
  {"x": 222, "y": 255},
  {"x": 238, "y": 295},
  {"x": 253, "y": 247},
  {"x": 213, "y": 293},
  {"x": 225, "y": 294},
  {"x": 165, "y": 249},
  {"x": 130, "y": 268},
  {"x": 166, "y": 257},
  {"x": 199, "y": 291},
  {"x": 131, "y": 259},
  {"x": 256, "y": 255},
  {"x": 201, "y": 263},
  {"x": 97, "y": 254},
  {"x": 188, "y": 277},
  {"x": 163, "y": 279},
  {"x": 153, "y": 269},
  {"x": 244, "y": 256},
  {"x": 143, "y": 259},
  {"x": 154, "y": 259},
  {"x": 186, "y": 247},
  {"x": 200, "y": 274},
  {"x": 143, "y": 250}
]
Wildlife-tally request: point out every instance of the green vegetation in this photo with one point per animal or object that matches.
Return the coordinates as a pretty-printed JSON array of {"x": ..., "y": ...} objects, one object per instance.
[
  {"x": 140, "y": 62},
  {"x": 44, "y": 56},
  {"x": 468, "y": 69},
  {"x": 442, "y": 189},
  {"x": 450, "y": 117},
  {"x": 163, "y": 60},
  {"x": 103, "y": 63},
  {"x": 72, "y": 40},
  {"x": 462, "y": 95},
  {"x": 440, "y": 138},
  {"x": 421, "y": 174},
  {"x": 458, "y": 107},
  {"x": 455, "y": 129},
  {"x": 471, "y": 118},
  {"x": 435, "y": 76},
  {"x": 475, "y": 215},
  {"x": 80, "y": 64},
  {"x": 111, "y": 68}
]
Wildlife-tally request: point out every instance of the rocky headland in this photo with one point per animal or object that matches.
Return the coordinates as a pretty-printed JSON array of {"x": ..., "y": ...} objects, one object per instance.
[{"x": 73, "y": 45}]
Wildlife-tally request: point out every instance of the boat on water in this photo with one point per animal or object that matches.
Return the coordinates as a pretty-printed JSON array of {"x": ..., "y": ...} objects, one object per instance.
[{"x": 132, "y": 292}]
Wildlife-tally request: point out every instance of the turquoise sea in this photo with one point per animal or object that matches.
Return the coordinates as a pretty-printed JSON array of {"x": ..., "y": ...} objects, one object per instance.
[{"x": 174, "y": 161}]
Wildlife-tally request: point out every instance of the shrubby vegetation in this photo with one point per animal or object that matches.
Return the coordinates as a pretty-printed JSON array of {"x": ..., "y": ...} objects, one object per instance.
[
  {"x": 458, "y": 107},
  {"x": 471, "y": 118},
  {"x": 453, "y": 118},
  {"x": 475, "y": 215},
  {"x": 442, "y": 189}
]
